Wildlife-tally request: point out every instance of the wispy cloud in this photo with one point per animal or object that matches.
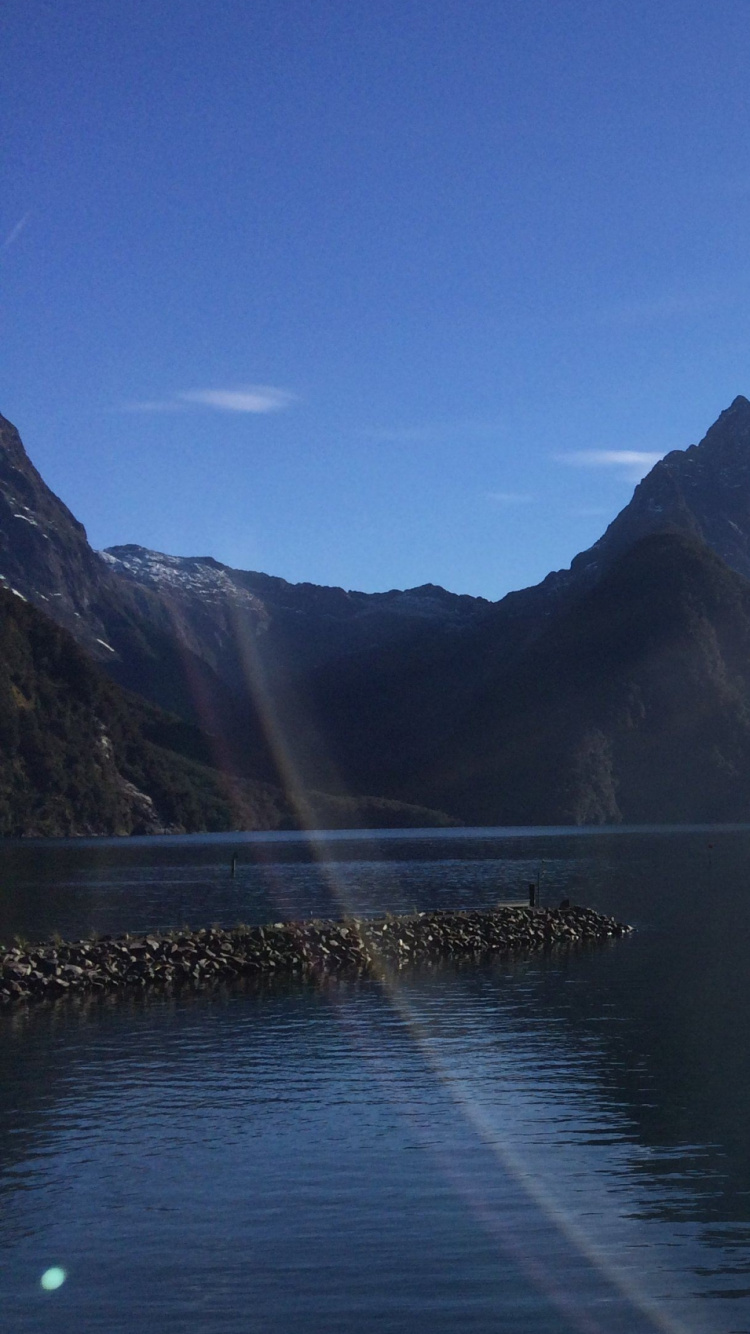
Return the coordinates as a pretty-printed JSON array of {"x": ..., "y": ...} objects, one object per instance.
[
  {"x": 610, "y": 458},
  {"x": 251, "y": 398},
  {"x": 256, "y": 398},
  {"x": 633, "y": 462},
  {"x": 15, "y": 232},
  {"x": 510, "y": 497}
]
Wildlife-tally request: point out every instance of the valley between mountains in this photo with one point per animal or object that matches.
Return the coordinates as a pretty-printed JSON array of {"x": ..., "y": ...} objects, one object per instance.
[{"x": 142, "y": 692}]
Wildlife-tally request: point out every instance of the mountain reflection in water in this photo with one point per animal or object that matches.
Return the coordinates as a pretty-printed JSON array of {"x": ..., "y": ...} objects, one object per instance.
[{"x": 542, "y": 1144}]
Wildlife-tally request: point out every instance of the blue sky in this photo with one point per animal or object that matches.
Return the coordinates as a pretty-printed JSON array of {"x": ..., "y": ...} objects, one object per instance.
[{"x": 370, "y": 292}]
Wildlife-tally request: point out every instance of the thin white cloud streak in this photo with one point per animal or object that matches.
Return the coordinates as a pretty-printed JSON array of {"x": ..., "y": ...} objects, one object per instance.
[
  {"x": 632, "y": 463},
  {"x": 15, "y": 232},
  {"x": 610, "y": 458},
  {"x": 510, "y": 497},
  {"x": 253, "y": 398}
]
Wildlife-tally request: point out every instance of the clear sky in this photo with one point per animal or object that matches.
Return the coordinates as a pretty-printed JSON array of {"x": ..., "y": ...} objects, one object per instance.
[{"x": 370, "y": 292}]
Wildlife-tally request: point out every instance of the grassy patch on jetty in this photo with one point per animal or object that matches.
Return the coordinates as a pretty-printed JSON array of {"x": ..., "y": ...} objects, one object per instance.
[{"x": 372, "y": 946}]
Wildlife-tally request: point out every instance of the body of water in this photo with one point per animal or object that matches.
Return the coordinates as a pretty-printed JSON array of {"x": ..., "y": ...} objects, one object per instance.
[{"x": 554, "y": 1143}]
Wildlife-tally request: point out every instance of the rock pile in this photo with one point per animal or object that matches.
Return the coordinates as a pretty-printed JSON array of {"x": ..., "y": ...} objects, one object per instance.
[{"x": 370, "y": 946}]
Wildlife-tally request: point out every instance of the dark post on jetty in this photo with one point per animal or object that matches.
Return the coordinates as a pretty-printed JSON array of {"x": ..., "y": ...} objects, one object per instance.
[{"x": 533, "y": 891}]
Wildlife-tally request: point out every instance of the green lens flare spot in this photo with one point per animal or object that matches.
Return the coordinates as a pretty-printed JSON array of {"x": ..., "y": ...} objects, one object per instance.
[{"x": 53, "y": 1278}]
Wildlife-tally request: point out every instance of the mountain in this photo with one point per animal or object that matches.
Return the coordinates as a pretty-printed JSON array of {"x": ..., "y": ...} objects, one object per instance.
[
  {"x": 258, "y": 633},
  {"x": 46, "y": 558},
  {"x": 393, "y": 713},
  {"x": 78, "y": 755},
  {"x": 45, "y": 555},
  {"x": 633, "y": 706},
  {"x": 222, "y": 648},
  {"x": 702, "y": 491},
  {"x": 184, "y": 645},
  {"x": 425, "y": 697}
]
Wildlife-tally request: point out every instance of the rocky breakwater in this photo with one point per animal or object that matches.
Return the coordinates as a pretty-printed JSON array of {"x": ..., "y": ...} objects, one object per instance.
[{"x": 371, "y": 946}]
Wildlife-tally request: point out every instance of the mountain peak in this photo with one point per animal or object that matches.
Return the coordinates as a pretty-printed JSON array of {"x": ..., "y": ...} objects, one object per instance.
[
  {"x": 703, "y": 491},
  {"x": 732, "y": 426}
]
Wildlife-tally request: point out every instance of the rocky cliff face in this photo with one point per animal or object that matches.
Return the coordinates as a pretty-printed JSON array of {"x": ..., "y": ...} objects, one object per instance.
[
  {"x": 44, "y": 552},
  {"x": 702, "y": 491},
  {"x": 45, "y": 558}
]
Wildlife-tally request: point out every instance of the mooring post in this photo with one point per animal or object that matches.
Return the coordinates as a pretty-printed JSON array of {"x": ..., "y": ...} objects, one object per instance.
[
  {"x": 532, "y": 896},
  {"x": 234, "y": 865}
]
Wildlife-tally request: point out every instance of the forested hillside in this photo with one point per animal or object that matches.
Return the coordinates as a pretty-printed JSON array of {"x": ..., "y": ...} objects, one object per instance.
[{"x": 78, "y": 755}]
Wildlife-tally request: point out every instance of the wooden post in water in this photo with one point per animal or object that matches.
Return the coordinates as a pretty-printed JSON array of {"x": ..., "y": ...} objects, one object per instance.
[
  {"x": 234, "y": 865},
  {"x": 532, "y": 896}
]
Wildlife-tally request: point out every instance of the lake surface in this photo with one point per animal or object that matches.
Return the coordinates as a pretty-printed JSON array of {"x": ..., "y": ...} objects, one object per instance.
[{"x": 556, "y": 1143}]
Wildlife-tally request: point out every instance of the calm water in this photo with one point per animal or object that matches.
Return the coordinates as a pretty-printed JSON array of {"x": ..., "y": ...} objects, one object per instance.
[{"x": 556, "y": 1144}]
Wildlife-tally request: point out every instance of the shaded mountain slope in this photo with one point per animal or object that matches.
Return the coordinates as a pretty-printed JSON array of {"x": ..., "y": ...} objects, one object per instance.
[
  {"x": 634, "y": 705},
  {"x": 702, "y": 491},
  {"x": 241, "y": 621},
  {"x": 44, "y": 552},
  {"x": 46, "y": 557},
  {"x": 369, "y": 719},
  {"x": 220, "y": 647},
  {"x": 80, "y": 756}
]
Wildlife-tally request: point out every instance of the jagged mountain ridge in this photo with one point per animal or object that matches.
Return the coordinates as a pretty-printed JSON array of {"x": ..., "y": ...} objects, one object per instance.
[
  {"x": 369, "y": 692},
  {"x": 242, "y": 620},
  {"x": 397, "y": 712},
  {"x": 110, "y": 600},
  {"x": 172, "y": 626},
  {"x": 702, "y": 491}
]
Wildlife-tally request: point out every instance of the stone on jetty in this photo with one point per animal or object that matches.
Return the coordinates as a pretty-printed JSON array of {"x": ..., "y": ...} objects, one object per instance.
[{"x": 370, "y": 946}]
